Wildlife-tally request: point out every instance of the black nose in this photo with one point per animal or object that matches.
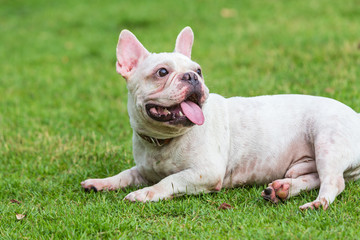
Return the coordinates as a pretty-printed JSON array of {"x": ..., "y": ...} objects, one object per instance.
[{"x": 190, "y": 77}]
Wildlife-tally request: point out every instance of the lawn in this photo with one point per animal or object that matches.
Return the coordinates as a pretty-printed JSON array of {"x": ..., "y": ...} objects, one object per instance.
[{"x": 63, "y": 115}]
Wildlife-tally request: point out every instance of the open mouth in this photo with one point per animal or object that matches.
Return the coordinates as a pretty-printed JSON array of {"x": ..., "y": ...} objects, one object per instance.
[{"x": 186, "y": 113}]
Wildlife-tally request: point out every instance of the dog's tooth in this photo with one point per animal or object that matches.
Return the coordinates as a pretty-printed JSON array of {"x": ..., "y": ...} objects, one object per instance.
[
  {"x": 181, "y": 114},
  {"x": 166, "y": 111}
]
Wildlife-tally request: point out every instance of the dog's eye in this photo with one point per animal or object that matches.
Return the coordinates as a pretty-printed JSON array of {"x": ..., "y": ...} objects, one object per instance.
[
  {"x": 198, "y": 71},
  {"x": 162, "y": 72}
]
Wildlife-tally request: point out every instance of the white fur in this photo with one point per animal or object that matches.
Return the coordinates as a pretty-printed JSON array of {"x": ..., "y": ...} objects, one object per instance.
[{"x": 293, "y": 142}]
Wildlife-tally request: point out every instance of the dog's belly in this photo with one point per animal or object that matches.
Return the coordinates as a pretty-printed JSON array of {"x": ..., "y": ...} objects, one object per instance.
[
  {"x": 253, "y": 172},
  {"x": 264, "y": 167},
  {"x": 265, "y": 142}
]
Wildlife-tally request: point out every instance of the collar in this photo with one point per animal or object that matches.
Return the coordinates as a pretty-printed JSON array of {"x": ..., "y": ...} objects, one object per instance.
[{"x": 155, "y": 141}]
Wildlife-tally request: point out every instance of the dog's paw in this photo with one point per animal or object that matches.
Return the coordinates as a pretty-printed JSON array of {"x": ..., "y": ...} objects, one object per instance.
[
  {"x": 275, "y": 191},
  {"x": 97, "y": 185},
  {"x": 316, "y": 204},
  {"x": 148, "y": 194},
  {"x": 269, "y": 194}
]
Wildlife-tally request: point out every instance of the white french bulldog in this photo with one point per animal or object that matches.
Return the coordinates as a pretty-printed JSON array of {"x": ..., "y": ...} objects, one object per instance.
[{"x": 187, "y": 141}]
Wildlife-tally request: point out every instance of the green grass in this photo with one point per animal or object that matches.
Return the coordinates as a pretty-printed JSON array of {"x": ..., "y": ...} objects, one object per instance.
[{"x": 63, "y": 114}]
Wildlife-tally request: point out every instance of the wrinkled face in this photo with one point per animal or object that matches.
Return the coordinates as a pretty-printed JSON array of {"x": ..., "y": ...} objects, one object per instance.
[
  {"x": 166, "y": 90},
  {"x": 169, "y": 89}
]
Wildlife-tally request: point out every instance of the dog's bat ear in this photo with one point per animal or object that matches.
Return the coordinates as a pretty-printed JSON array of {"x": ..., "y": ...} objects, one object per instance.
[
  {"x": 184, "y": 42},
  {"x": 129, "y": 52}
]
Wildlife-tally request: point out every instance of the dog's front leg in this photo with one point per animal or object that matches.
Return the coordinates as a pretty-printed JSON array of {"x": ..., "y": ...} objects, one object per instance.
[
  {"x": 129, "y": 177},
  {"x": 189, "y": 181}
]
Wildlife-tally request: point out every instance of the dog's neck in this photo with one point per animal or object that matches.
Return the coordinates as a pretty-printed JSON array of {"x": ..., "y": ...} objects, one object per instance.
[{"x": 155, "y": 141}]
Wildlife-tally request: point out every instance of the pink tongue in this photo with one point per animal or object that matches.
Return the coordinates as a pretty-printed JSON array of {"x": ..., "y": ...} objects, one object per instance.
[{"x": 193, "y": 112}]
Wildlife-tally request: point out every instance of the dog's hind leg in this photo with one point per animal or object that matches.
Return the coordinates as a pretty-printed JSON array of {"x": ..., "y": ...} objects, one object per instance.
[
  {"x": 330, "y": 187},
  {"x": 288, "y": 187},
  {"x": 302, "y": 175},
  {"x": 334, "y": 155}
]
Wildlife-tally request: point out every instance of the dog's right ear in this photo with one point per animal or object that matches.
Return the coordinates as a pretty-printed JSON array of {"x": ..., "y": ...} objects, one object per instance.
[
  {"x": 184, "y": 42},
  {"x": 129, "y": 52}
]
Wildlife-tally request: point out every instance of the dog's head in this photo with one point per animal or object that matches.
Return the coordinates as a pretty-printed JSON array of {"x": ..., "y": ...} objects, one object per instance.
[{"x": 166, "y": 90}]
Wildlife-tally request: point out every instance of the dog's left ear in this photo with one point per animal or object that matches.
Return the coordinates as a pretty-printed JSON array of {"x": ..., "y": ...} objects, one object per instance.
[
  {"x": 184, "y": 42},
  {"x": 130, "y": 53}
]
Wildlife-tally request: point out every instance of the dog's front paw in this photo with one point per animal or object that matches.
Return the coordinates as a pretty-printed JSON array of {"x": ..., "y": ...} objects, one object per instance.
[
  {"x": 146, "y": 195},
  {"x": 98, "y": 185}
]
